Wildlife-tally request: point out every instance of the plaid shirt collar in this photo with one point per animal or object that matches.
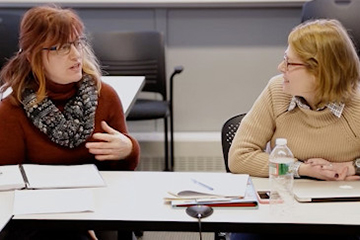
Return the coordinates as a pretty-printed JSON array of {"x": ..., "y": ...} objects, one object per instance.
[{"x": 335, "y": 108}]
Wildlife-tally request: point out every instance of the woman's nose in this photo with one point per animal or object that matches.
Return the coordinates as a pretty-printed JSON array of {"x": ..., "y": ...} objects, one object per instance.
[
  {"x": 281, "y": 66},
  {"x": 75, "y": 52}
]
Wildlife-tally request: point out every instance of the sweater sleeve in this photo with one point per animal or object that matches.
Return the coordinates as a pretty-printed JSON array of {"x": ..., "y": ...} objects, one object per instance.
[
  {"x": 111, "y": 111},
  {"x": 12, "y": 143},
  {"x": 247, "y": 152}
]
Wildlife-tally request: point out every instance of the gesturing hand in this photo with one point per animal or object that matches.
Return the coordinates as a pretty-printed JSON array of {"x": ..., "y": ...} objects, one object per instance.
[{"x": 110, "y": 145}]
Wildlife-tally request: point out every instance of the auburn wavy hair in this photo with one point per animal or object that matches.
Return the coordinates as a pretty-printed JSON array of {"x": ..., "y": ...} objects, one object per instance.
[
  {"x": 50, "y": 25},
  {"x": 325, "y": 46}
]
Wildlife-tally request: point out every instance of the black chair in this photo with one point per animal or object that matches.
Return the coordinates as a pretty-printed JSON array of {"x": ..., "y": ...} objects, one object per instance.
[
  {"x": 228, "y": 131},
  {"x": 141, "y": 53},
  {"x": 227, "y": 135},
  {"x": 346, "y": 11},
  {"x": 9, "y": 32}
]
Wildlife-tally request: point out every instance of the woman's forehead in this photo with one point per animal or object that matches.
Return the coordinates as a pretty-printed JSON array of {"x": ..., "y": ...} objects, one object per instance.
[{"x": 62, "y": 38}]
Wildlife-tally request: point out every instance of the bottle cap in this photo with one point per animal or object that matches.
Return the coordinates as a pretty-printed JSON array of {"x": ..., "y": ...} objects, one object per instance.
[{"x": 281, "y": 141}]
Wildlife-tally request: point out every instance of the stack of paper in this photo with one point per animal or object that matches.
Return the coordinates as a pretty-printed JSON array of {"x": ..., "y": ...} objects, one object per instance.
[{"x": 229, "y": 190}]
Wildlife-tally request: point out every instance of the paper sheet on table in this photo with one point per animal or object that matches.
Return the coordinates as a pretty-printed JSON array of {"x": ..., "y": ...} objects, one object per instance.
[
  {"x": 220, "y": 185},
  {"x": 11, "y": 178},
  {"x": 63, "y": 176},
  {"x": 53, "y": 201}
]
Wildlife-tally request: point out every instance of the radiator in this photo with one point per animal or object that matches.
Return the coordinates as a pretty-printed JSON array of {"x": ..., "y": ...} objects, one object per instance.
[{"x": 194, "y": 151}]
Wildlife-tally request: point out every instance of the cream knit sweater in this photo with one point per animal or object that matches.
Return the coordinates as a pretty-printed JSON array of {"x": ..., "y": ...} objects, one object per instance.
[{"x": 309, "y": 133}]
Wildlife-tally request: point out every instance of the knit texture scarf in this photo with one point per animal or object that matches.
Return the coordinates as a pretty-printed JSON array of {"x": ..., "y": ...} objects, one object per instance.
[{"x": 75, "y": 124}]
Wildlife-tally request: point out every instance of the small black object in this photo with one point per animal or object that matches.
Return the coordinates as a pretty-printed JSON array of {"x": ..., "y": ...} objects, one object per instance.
[{"x": 199, "y": 211}]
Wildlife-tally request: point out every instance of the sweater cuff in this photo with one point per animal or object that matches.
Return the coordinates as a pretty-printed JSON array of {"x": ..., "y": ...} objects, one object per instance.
[{"x": 295, "y": 168}]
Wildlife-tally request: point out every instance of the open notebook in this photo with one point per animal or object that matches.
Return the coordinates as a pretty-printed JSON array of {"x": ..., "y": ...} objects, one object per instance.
[
  {"x": 216, "y": 190},
  {"x": 248, "y": 200},
  {"x": 327, "y": 191},
  {"x": 33, "y": 176}
]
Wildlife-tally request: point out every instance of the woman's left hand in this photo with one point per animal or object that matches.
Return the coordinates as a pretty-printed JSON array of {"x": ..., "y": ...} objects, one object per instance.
[
  {"x": 111, "y": 145},
  {"x": 338, "y": 167}
]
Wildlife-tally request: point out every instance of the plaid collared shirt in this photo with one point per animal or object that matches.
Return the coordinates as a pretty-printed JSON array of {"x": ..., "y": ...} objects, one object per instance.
[{"x": 335, "y": 108}]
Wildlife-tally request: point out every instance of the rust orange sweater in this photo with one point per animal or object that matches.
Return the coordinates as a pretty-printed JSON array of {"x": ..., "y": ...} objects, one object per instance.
[{"x": 22, "y": 142}]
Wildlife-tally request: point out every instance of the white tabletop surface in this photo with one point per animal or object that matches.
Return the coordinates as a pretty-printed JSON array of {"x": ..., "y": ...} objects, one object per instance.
[
  {"x": 127, "y": 88},
  {"x": 6, "y": 207},
  {"x": 138, "y": 197}
]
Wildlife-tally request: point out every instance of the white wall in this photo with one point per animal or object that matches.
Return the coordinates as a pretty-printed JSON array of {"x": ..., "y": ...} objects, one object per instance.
[{"x": 228, "y": 55}]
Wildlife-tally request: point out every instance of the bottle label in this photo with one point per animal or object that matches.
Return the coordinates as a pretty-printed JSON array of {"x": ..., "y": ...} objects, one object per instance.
[{"x": 277, "y": 169}]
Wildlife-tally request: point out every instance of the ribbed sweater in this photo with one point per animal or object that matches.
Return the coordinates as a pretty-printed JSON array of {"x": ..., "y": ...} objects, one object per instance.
[
  {"x": 309, "y": 133},
  {"x": 22, "y": 142}
]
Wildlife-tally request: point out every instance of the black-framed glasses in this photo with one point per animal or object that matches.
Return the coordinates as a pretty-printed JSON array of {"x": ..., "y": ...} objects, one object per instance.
[
  {"x": 66, "y": 48},
  {"x": 287, "y": 63}
]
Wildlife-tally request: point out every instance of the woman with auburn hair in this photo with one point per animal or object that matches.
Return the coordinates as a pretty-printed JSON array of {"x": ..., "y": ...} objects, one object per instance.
[
  {"x": 59, "y": 111},
  {"x": 315, "y": 104}
]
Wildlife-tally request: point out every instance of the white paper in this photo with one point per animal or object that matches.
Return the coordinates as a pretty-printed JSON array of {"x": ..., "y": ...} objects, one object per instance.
[
  {"x": 63, "y": 176},
  {"x": 225, "y": 185},
  {"x": 53, "y": 201},
  {"x": 11, "y": 178}
]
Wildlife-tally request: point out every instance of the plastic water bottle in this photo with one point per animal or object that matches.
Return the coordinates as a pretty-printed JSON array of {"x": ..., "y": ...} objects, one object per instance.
[{"x": 281, "y": 179}]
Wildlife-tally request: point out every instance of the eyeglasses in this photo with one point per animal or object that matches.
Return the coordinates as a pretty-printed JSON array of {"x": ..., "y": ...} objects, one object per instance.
[
  {"x": 66, "y": 48},
  {"x": 287, "y": 64}
]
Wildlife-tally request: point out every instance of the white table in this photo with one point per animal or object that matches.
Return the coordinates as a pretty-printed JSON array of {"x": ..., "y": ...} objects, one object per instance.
[
  {"x": 6, "y": 206},
  {"x": 127, "y": 87},
  {"x": 134, "y": 201}
]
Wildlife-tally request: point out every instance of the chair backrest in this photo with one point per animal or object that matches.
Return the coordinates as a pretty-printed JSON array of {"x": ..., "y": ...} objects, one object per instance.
[
  {"x": 135, "y": 53},
  {"x": 227, "y": 135},
  {"x": 9, "y": 35},
  {"x": 346, "y": 11}
]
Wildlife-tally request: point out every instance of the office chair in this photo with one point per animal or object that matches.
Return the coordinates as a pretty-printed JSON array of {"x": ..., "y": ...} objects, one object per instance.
[
  {"x": 9, "y": 32},
  {"x": 228, "y": 131},
  {"x": 346, "y": 11},
  {"x": 141, "y": 53},
  {"x": 227, "y": 135}
]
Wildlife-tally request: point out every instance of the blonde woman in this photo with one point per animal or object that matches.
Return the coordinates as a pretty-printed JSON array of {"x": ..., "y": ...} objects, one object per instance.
[{"x": 314, "y": 103}]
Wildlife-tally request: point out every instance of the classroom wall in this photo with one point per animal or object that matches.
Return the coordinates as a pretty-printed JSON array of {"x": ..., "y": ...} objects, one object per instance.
[{"x": 228, "y": 55}]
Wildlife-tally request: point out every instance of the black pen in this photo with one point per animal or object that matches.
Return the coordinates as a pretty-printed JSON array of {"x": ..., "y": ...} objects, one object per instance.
[{"x": 202, "y": 184}]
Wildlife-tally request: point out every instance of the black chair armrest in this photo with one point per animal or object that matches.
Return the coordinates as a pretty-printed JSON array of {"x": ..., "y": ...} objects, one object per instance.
[{"x": 177, "y": 70}]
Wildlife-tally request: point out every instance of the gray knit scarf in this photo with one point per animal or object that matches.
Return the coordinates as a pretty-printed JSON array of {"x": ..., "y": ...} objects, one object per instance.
[{"x": 75, "y": 124}]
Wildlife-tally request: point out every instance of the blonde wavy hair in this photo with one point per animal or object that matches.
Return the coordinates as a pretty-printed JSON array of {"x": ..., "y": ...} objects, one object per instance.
[
  {"x": 48, "y": 24},
  {"x": 325, "y": 46}
]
